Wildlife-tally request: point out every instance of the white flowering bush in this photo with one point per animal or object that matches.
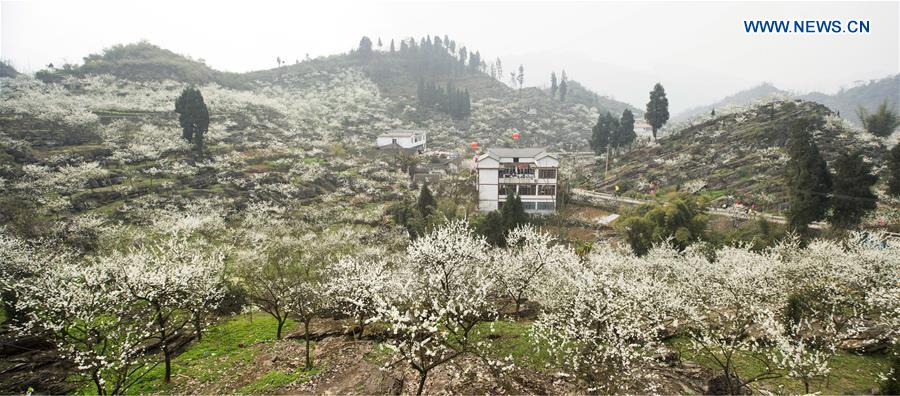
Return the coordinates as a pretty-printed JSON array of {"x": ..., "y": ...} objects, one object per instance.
[
  {"x": 101, "y": 312},
  {"x": 519, "y": 270},
  {"x": 354, "y": 284},
  {"x": 438, "y": 294}
]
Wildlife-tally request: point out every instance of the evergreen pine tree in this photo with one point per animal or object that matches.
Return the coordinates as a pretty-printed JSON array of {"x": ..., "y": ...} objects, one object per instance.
[
  {"x": 392, "y": 46},
  {"x": 553, "y": 86},
  {"x": 657, "y": 108},
  {"x": 493, "y": 229},
  {"x": 426, "y": 201},
  {"x": 521, "y": 77},
  {"x": 365, "y": 46},
  {"x": 507, "y": 207},
  {"x": 517, "y": 214},
  {"x": 612, "y": 126},
  {"x": 600, "y": 134},
  {"x": 563, "y": 86},
  {"x": 882, "y": 123},
  {"x": 852, "y": 195},
  {"x": 893, "y": 167},
  {"x": 807, "y": 177},
  {"x": 193, "y": 116},
  {"x": 626, "y": 133},
  {"x": 475, "y": 61}
]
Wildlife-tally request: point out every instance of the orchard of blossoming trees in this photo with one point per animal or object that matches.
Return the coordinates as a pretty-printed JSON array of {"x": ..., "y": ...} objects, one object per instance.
[
  {"x": 603, "y": 317},
  {"x": 126, "y": 252}
]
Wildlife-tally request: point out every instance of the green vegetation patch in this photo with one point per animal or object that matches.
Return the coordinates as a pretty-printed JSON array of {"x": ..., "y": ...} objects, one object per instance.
[
  {"x": 276, "y": 379},
  {"x": 514, "y": 339},
  {"x": 224, "y": 347},
  {"x": 851, "y": 373}
]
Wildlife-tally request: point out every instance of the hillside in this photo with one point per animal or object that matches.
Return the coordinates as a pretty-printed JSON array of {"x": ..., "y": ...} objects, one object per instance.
[
  {"x": 763, "y": 91},
  {"x": 280, "y": 252},
  {"x": 869, "y": 95},
  {"x": 6, "y": 70},
  {"x": 497, "y": 108},
  {"x": 143, "y": 61},
  {"x": 740, "y": 154},
  {"x": 578, "y": 93},
  {"x": 845, "y": 102}
]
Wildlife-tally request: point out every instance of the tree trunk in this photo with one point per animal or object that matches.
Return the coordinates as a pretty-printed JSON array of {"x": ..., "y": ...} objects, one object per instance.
[
  {"x": 199, "y": 329},
  {"x": 362, "y": 324},
  {"x": 280, "y": 325},
  {"x": 306, "y": 336},
  {"x": 422, "y": 376},
  {"x": 101, "y": 390},
  {"x": 168, "y": 358}
]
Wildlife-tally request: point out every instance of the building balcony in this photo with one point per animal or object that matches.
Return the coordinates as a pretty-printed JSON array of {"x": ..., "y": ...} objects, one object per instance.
[{"x": 517, "y": 179}]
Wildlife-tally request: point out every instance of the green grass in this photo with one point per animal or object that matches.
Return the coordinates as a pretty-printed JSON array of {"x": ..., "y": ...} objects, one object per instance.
[
  {"x": 850, "y": 373},
  {"x": 514, "y": 339},
  {"x": 379, "y": 354},
  {"x": 276, "y": 379},
  {"x": 313, "y": 160},
  {"x": 209, "y": 360},
  {"x": 712, "y": 195}
]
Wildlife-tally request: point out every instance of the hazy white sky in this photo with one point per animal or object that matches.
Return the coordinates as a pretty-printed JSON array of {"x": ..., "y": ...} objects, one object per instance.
[{"x": 698, "y": 50}]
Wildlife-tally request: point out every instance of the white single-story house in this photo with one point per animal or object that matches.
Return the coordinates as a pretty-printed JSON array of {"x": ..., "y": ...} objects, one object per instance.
[{"x": 407, "y": 139}]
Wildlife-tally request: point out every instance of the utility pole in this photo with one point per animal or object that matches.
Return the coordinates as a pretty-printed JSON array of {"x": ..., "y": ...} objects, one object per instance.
[{"x": 607, "y": 161}]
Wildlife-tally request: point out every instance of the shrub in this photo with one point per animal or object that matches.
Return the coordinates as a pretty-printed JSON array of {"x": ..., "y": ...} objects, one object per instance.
[{"x": 680, "y": 222}]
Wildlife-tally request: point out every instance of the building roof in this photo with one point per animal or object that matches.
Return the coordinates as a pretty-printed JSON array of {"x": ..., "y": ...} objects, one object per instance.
[
  {"x": 402, "y": 133},
  {"x": 516, "y": 152},
  {"x": 497, "y": 153}
]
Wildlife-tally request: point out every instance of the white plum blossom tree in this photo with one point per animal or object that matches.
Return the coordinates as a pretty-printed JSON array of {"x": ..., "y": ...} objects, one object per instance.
[
  {"x": 602, "y": 319},
  {"x": 519, "y": 268},
  {"x": 175, "y": 282},
  {"x": 82, "y": 309},
  {"x": 354, "y": 284},
  {"x": 437, "y": 295}
]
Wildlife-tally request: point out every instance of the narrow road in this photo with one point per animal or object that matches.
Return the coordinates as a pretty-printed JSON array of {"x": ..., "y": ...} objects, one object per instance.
[{"x": 593, "y": 195}]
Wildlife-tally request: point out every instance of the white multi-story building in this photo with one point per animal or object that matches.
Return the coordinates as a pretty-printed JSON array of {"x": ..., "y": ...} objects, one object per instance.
[
  {"x": 402, "y": 139},
  {"x": 530, "y": 173}
]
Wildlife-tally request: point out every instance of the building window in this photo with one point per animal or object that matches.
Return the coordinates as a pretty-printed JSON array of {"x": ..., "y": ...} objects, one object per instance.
[
  {"x": 528, "y": 205},
  {"x": 527, "y": 189},
  {"x": 547, "y": 174},
  {"x": 546, "y": 205},
  {"x": 505, "y": 189},
  {"x": 546, "y": 189},
  {"x": 518, "y": 171}
]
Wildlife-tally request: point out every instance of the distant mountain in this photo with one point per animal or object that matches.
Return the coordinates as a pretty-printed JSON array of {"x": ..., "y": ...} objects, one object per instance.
[
  {"x": 846, "y": 102},
  {"x": 869, "y": 96},
  {"x": 742, "y": 98}
]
